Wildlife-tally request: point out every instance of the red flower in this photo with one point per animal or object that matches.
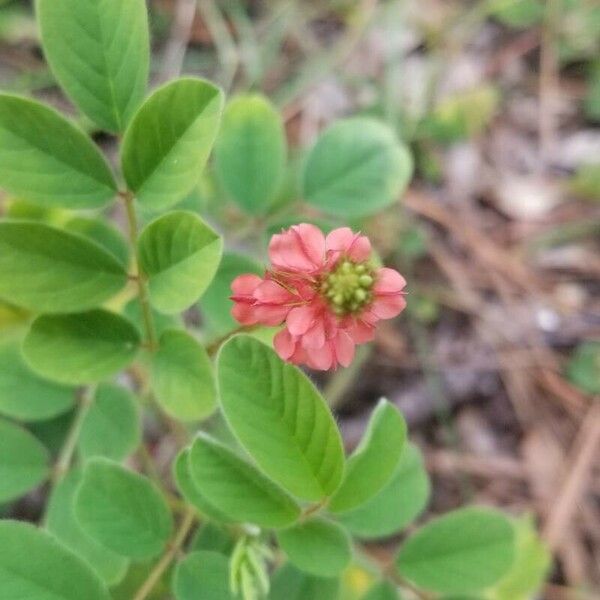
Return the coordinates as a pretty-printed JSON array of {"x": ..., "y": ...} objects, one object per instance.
[{"x": 326, "y": 292}]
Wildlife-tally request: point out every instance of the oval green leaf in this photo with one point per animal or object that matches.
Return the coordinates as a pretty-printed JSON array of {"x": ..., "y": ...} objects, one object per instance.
[
  {"x": 45, "y": 158},
  {"x": 396, "y": 505},
  {"x": 99, "y": 52},
  {"x": 374, "y": 461},
  {"x": 384, "y": 590},
  {"x": 182, "y": 377},
  {"x": 61, "y": 522},
  {"x": 237, "y": 488},
  {"x": 34, "y": 565},
  {"x": 123, "y": 511},
  {"x": 169, "y": 140},
  {"x": 317, "y": 546},
  {"x": 464, "y": 551},
  {"x": 289, "y": 583},
  {"x": 189, "y": 490},
  {"x": 23, "y": 461},
  {"x": 179, "y": 254},
  {"x": 260, "y": 393},
  {"x": 111, "y": 428},
  {"x": 103, "y": 233},
  {"x": 45, "y": 269},
  {"x": 250, "y": 152},
  {"x": 356, "y": 168},
  {"x": 23, "y": 394},
  {"x": 80, "y": 348},
  {"x": 215, "y": 303},
  {"x": 202, "y": 576}
]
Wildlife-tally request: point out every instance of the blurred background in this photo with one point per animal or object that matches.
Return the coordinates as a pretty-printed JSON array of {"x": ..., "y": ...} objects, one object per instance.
[{"x": 496, "y": 361}]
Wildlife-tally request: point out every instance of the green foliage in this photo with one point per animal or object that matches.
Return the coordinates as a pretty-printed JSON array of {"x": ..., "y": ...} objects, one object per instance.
[
  {"x": 260, "y": 393},
  {"x": 61, "y": 522},
  {"x": 182, "y": 377},
  {"x": 250, "y": 152},
  {"x": 530, "y": 566},
  {"x": 23, "y": 394},
  {"x": 356, "y": 168},
  {"x": 45, "y": 158},
  {"x": 464, "y": 551},
  {"x": 584, "y": 367},
  {"x": 384, "y": 590},
  {"x": 291, "y": 584},
  {"x": 517, "y": 13},
  {"x": 373, "y": 463},
  {"x": 34, "y": 565},
  {"x": 169, "y": 139},
  {"x": 99, "y": 52},
  {"x": 179, "y": 254},
  {"x": 103, "y": 233},
  {"x": 111, "y": 427},
  {"x": 586, "y": 182},
  {"x": 317, "y": 546},
  {"x": 23, "y": 461},
  {"x": 397, "y": 504},
  {"x": 80, "y": 348},
  {"x": 122, "y": 510},
  {"x": 65, "y": 272},
  {"x": 237, "y": 488},
  {"x": 202, "y": 576},
  {"x": 592, "y": 98},
  {"x": 215, "y": 306}
]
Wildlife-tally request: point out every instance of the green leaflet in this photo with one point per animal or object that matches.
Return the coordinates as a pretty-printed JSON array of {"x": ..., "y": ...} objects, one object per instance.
[
  {"x": 169, "y": 140},
  {"x": 45, "y": 158},
  {"x": 99, "y": 52},
  {"x": 260, "y": 393}
]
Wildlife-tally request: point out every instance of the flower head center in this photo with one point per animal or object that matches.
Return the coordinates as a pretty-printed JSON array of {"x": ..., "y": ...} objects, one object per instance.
[{"x": 348, "y": 288}]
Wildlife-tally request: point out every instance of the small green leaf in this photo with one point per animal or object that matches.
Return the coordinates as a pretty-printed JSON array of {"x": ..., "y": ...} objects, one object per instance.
[
  {"x": 384, "y": 590},
  {"x": 190, "y": 491},
  {"x": 396, "y": 505},
  {"x": 61, "y": 522},
  {"x": 182, "y": 377},
  {"x": 517, "y": 13},
  {"x": 237, "y": 488},
  {"x": 260, "y": 393},
  {"x": 289, "y": 583},
  {"x": 111, "y": 427},
  {"x": 530, "y": 567},
  {"x": 202, "y": 576},
  {"x": 36, "y": 566},
  {"x": 169, "y": 140},
  {"x": 80, "y": 348},
  {"x": 23, "y": 461},
  {"x": 215, "y": 303},
  {"x": 464, "y": 551},
  {"x": 103, "y": 233},
  {"x": 357, "y": 168},
  {"x": 133, "y": 312},
  {"x": 64, "y": 272},
  {"x": 373, "y": 463},
  {"x": 250, "y": 152},
  {"x": 179, "y": 254},
  {"x": 122, "y": 510},
  {"x": 214, "y": 537},
  {"x": 23, "y": 394},
  {"x": 45, "y": 158},
  {"x": 584, "y": 368},
  {"x": 317, "y": 546},
  {"x": 99, "y": 52}
]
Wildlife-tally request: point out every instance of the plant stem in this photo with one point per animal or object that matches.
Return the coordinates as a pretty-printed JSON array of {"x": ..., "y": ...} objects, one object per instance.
[
  {"x": 163, "y": 564},
  {"x": 65, "y": 456},
  {"x": 140, "y": 276}
]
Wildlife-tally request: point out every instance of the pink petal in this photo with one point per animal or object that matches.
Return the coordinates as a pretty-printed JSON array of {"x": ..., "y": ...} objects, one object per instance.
[
  {"x": 339, "y": 239},
  {"x": 388, "y": 281},
  {"x": 360, "y": 250},
  {"x": 270, "y": 292},
  {"x": 284, "y": 344},
  {"x": 245, "y": 284},
  {"x": 244, "y": 313},
  {"x": 270, "y": 314},
  {"x": 388, "y": 306},
  {"x": 321, "y": 359},
  {"x": 344, "y": 241},
  {"x": 314, "y": 337},
  {"x": 344, "y": 349},
  {"x": 361, "y": 331},
  {"x": 301, "y": 249},
  {"x": 300, "y": 319}
]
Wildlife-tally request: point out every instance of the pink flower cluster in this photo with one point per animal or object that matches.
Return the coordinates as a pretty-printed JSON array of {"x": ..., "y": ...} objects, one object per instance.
[{"x": 325, "y": 290}]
